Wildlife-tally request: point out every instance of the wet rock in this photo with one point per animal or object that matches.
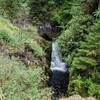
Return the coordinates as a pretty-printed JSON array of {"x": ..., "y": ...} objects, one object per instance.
[
  {"x": 45, "y": 30},
  {"x": 90, "y": 98}
]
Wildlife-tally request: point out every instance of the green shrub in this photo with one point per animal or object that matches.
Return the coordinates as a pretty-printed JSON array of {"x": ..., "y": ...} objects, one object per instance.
[
  {"x": 61, "y": 12},
  {"x": 9, "y": 32},
  {"x": 16, "y": 37},
  {"x": 81, "y": 45},
  {"x": 84, "y": 87},
  {"x": 19, "y": 83},
  {"x": 29, "y": 35},
  {"x": 36, "y": 47},
  {"x": 77, "y": 30},
  {"x": 10, "y": 8},
  {"x": 97, "y": 13}
]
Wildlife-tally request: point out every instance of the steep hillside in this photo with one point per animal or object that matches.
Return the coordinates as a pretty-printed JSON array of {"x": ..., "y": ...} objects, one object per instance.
[{"x": 22, "y": 64}]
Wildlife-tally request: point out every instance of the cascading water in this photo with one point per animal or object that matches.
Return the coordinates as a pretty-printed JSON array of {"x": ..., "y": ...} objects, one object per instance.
[
  {"x": 60, "y": 76},
  {"x": 56, "y": 61},
  {"x": 59, "y": 79}
]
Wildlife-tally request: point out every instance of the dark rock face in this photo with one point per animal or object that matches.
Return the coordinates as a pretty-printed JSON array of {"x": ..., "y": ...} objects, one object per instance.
[
  {"x": 48, "y": 29},
  {"x": 45, "y": 30},
  {"x": 59, "y": 81},
  {"x": 56, "y": 28}
]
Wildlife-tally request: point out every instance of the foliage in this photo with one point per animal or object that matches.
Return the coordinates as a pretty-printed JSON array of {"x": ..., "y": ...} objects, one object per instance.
[
  {"x": 38, "y": 50},
  {"x": 77, "y": 30},
  {"x": 84, "y": 87},
  {"x": 61, "y": 13},
  {"x": 97, "y": 13},
  {"x": 19, "y": 83},
  {"x": 9, "y": 32},
  {"x": 11, "y": 7},
  {"x": 16, "y": 37},
  {"x": 29, "y": 35},
  {"x": 16, "y": 81},
  {"x": 55, "y": 11},
  {"x": 81, "y": 44}
]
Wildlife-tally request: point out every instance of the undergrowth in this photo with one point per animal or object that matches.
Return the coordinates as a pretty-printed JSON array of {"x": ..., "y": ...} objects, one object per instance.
[{"x": 19, "y": 83}]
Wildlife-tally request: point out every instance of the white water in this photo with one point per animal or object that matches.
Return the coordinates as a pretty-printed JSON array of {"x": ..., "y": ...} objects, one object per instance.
[{"x": 56, "y": 61}]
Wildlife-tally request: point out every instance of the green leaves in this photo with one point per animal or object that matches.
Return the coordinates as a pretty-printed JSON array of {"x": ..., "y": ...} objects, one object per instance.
[
  {"x": 9, "y": 32},
  {"x": 35, "y": 46},
  {"x": 80, "y": 45},
  {"x": 10, "y": 8},
  {"x": 97, "y": 13},
  {"x": 19, "y": 83},
  {"x": 51, "y": 2},
  {"x": 83, "y": 63}
]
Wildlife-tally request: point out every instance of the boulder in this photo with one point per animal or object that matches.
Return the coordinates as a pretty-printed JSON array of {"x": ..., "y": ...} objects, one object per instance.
[
  {"x": 45, "y": 30},
  {"x": 78, "y": 97}
]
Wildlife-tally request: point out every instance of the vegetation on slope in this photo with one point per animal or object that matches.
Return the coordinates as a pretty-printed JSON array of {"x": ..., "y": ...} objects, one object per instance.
[
  {"x": 21, "y": 64},
  {"x": 79, "y": 43},
  {"x": 19, "y": 83}
]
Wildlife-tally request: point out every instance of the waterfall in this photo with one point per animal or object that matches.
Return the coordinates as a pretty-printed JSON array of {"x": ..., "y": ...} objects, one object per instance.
[
  {"x": 56, "y": 61},
  {"x": 60, "y": 77}
]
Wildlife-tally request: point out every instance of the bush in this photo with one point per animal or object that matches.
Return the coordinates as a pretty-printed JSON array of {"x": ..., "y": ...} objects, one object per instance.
[
  {"x": 19, "y": 83},
  {"x": 97, "y": 13},
  {"x": 84, "y": 87},
  {"x": 9, "y": 32},
  {"x": 36, "y": 47},
  {"x": 16, "y": 81},
  {"x": 10, "y": 8},
  {"x": 16, "y": 37},
  {"x": 30, "y": 36},
  {"x": 81, "y": 44},
  {"x": 70, "y": 39}
]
